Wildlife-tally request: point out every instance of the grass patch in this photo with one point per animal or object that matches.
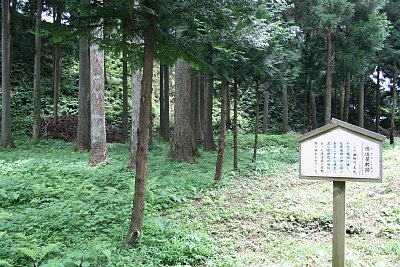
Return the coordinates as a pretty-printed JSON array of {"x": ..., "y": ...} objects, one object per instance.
[{"x": 55, "y": 210}]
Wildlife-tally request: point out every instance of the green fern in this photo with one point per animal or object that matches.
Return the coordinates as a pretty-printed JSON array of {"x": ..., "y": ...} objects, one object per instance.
[
  {"x": 5, "y": 263},
  {"x": 39, "y": 253}
]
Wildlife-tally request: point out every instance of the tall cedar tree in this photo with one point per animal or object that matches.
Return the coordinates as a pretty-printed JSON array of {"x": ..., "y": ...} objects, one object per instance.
[
  {"x": 135, "y": 228},
  {"x": 136, "y": 90},
  {"x": 6, "y": 134},
  {"x": 57, "y": 65},
  {"x": 266, "y": 108},
  {"x": 36, "y": 76},
  {"x": 83, "y": 131},
  {"x": 183, "y": 146},
  {"x": 256, "y": 125},
  {"x": 394, "y": 101},
  {"x": 98, "y": 150},
  {"x": 235, "y": 126},
  {"x": 209, "y": 144},
  {"x": 222, "y": 137}
]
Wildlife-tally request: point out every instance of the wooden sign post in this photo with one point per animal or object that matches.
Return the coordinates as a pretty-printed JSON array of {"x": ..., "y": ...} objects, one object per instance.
[{"x": 341, "y": 152}]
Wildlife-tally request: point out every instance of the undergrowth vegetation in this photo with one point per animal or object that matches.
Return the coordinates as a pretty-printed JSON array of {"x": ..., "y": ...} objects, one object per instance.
[{"x": 55, "y": 210}]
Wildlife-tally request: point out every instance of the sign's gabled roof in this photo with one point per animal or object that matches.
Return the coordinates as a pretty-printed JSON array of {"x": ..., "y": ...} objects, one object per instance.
[{"x": 335, "y": 123}]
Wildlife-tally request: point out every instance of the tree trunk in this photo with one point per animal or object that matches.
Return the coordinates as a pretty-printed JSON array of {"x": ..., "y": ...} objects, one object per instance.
[
  {"x": 285, "y": 111},
  {"x": 305, "y": 104},
  {"x": 329, "y": 71},
  {"x": 56, "y": 68},
  {"x": 235, "y": 126},
  {"x": 201, "y": 107},
  {"x": 98, "y": 151},
  {"x": 6, "y": 133},
  {"x": 361, "y": 102},
  {"x": 135, "y": 228},
  {"x": 209, "y": 144},
  {"x": 183, "y": 147},
  {"x": 313, "y": 107},
  {"x": 347, "y": 98},
  {"x": 342, "y": 97},
  {"x": 162, "y": 102},
  {"x": 221, "y": 148},
  {"x": 125, "y": 98},
  {"x": 394, "y": 102},
  {"x": 256, "y": 125},
  {"x": 83, "y": 131},
  {"x": 136, "y": 89},
  {"x": 378, "y": 100},
  {"x": 228, "y": 110},
  {"x": 166, "y": 131},
  {"x": 195, "y": 108},
  {"x": 36, "y": 77},
  {"x": 266, "y": 109}
]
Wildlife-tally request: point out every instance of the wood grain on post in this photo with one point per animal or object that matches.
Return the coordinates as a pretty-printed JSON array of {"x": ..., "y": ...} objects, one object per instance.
[{"x": 339, "y": 223}]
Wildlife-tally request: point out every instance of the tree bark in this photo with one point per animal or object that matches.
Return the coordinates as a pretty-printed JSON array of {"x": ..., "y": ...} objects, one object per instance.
[
  {"x": 36, "y": 133},
  {"x": 161, "y": 101},
  {"x": 6, "y": 133},
  {"x": 125, "y": 98},
  {"x": 378, "y": 100},
  {"x": 342, "y": 97},
  {"x": 221, "y": 148},
  {"x": 166, "y": 131},
  {"x": 256, "y": 125},
  {"x": 305, "y": 104},
  {"x": 235, "y": 126},
  {"x": 228, "y": 110},
  {"x": 347, "y": 98},
  {"x": 98, "y": 151},
  {"x": 83, "y": 131},
  {"x": 285, "y": 111},
  {"x": 135, "y": 229},
  {"x": 56, "y": 68},
  {"x": 361, "y": 102},
  {"x": 201, "y": 107},
  {"x": 329, "y": 71},
  {"x": 209, "y": 144},
  {"x": 195, "y": 107},
  {"x": 313, "y": 107},
  {"x": 136, "y": 89},
  {"x": 394, "y": 102},
  {"x": 266, "y": 109},
  {"x": 183, "y": 146}
]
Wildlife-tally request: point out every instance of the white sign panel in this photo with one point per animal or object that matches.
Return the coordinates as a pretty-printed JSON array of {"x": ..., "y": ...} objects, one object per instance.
[{"x": 340, "y": 154}]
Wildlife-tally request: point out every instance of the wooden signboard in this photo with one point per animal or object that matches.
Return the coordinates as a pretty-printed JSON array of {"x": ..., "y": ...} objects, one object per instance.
[{"x": 341, "y": 152}]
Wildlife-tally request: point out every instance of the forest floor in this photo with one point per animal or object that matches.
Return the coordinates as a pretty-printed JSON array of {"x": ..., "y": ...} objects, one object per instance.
[{"x": 55, "y": 210}]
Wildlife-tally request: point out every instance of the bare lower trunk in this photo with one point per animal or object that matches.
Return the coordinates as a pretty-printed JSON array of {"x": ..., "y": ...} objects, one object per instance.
[
  {"x": 201, "y": 107},
  {"x": 256, "y": 126},
  {"x": 183, "y": 146},
  {"x": 378, "y": 100},
  {"x": 209, "y": 144},
  {"x": 235, "y": 128},
  {"x": 347, "y": 98},
  {"x": 361, "y": 103},
  {"x": 135, "y": 229},
  {"x": 342, "y": 97},
  {"x": 56, "y": 68},
  {"x": 394, "y": 102},
  {"x": 83, "y": 131},
  {"x": 313, "y": 108},
  {"x": 329, "y": 70},
  {"x": 195, "y": 108},
  {"x": 98, "y": 150},
  {"x": 166, "y": 130},
  {"x": 6, "y": 133},
  {"x": 162, "y": 102},
  {"x": 266, "y": 109},
  {"x": 285, "y": 111},
  {"x": 36, "y": 77},
  {"x": 221, "y": 148},
  {"x": 136, "y": 89},
  {"x": 56, "y": 79},
  {"x": 125, "y": 99}
]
